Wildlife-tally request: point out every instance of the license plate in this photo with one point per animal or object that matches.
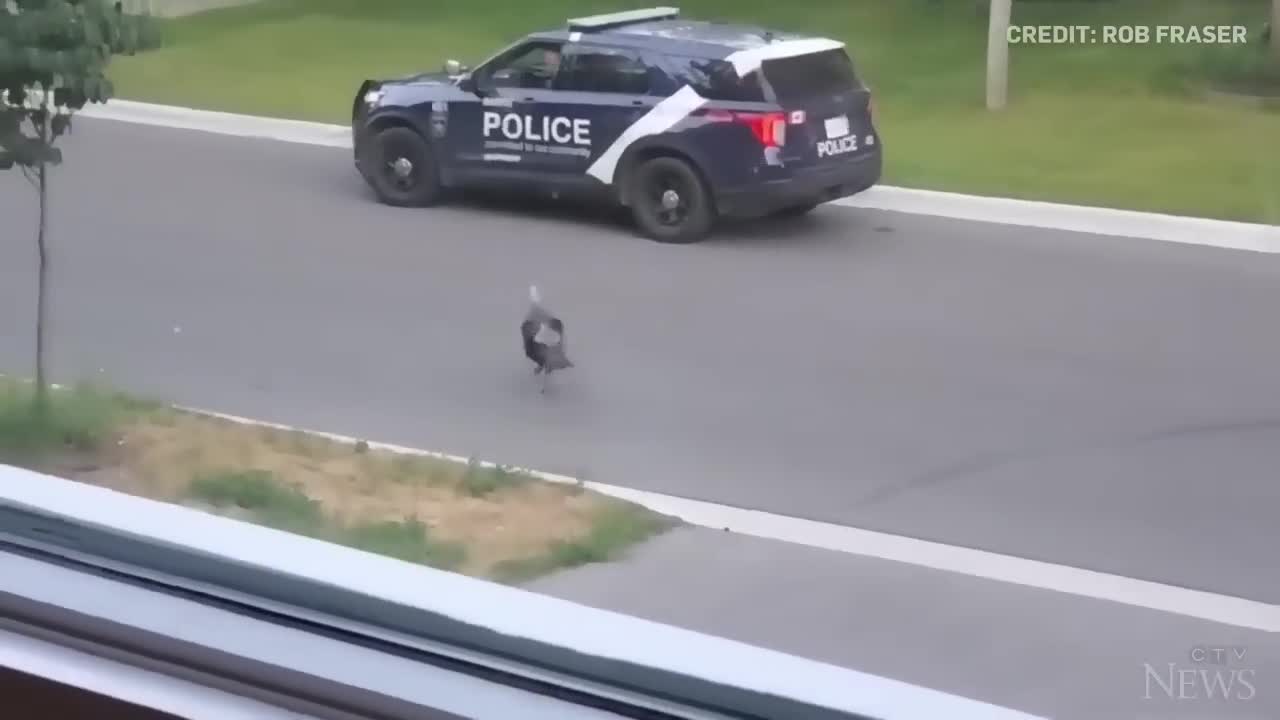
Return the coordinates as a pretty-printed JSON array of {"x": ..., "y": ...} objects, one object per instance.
[{"x": 837, "y": 127}]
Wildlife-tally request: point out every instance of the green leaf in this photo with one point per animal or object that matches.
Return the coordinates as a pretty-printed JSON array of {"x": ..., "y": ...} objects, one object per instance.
[{"x": 72, "y": 41}]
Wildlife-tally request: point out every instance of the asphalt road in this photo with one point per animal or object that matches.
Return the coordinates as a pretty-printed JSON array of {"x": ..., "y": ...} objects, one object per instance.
[{"x": 1082, "y": 400}]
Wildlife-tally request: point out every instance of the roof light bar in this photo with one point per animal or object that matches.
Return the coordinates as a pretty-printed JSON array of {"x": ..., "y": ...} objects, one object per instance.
[{"x": 594, "y": 23}]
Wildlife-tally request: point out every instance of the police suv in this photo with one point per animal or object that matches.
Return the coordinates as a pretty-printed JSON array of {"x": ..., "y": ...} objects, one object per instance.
[{"x": 680, "y": 121}]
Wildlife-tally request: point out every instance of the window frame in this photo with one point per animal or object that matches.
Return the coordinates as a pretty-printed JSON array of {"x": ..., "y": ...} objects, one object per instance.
[{"x": 445, "y": 625}]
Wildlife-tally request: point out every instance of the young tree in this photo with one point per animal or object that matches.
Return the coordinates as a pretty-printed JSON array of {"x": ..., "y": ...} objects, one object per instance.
[
  {"x": 1275, "y": 29},
  {"x": 998, "y": 53},
  {"x": 53, "y": 61}
]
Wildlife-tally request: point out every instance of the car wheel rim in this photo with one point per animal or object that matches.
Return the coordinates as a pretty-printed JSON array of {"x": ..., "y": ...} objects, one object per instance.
[
  {"x": 400, "y": 172},
  {"x": 668, "y": 199}
]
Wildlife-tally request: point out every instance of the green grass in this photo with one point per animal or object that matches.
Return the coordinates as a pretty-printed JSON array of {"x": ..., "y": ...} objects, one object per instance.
[
  {"x": 142, "y": 440},
  {"x": 1249, "y": 69},
  {"x": 413, "y": 469},
  {"x": 621, "y": 526},
  {"x": 406, "y": 540},
  {"x": 269, "y": 502},
  {"x": 478, "y": 481},
  {"x": 1118, "y": 126},
  {"x": 77, "y": 419}
]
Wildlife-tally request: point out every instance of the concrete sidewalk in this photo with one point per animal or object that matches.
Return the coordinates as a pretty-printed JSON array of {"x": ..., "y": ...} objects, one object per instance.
[{"x": 1033, "y": 650}]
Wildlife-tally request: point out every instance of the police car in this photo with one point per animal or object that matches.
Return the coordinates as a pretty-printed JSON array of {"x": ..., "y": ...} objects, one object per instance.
[{"x": 681, "y": 121}]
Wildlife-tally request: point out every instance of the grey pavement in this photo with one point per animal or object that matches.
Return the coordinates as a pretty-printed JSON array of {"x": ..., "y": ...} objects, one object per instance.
[
  {"x": 1089, "y": 401},
  {"x": 1054, "y": 655}
]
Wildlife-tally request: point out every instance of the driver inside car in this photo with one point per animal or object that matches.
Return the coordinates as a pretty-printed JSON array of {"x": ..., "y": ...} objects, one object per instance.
[{"x": 542, "y": 74}]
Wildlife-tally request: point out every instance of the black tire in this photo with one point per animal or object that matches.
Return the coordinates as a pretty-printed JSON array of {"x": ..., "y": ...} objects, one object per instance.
[
  {"x": 796, "y": 211},
  {"x": 690, "y": 220},
  {"x": 383, "y": 167}
]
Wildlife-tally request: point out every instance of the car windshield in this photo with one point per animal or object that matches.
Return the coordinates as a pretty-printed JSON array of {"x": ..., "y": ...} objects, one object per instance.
[{"x": 724, "y": 360}]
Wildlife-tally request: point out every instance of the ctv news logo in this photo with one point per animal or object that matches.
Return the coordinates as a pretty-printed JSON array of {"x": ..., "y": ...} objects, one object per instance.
[{"x": 1210, "y": 673}]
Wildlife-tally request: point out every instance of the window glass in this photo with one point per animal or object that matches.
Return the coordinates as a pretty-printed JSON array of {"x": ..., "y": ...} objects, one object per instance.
[
  {"x": 532, "y": 66},
  {"x": 806, "y": 76},
  {"x": 716, "y": 79},
  {"x": 604, "y": 71}
]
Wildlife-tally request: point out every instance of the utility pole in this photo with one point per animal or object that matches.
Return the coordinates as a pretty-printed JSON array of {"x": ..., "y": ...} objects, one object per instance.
[
  {"x": 998, "y": 53},
  {"x": 1275, "y": 29}
]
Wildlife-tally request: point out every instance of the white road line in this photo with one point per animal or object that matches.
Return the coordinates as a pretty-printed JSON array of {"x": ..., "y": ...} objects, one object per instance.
[
  {"x": 1006, "y": 211},
  {"x": 1214, "y": 607}
]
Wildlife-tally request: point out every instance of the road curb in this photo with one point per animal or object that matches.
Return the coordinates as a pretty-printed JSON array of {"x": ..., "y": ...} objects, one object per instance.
[
  {"x": 1004, "y": 211},
  {"x": 1074, "y": 218}
]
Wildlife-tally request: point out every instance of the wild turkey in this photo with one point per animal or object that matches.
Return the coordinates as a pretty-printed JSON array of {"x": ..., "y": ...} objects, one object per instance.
[{"x": 543, "y": 336}]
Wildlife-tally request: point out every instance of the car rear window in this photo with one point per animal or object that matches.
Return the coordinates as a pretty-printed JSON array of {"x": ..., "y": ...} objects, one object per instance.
[
  {"x": 806, "y": 76},
  {"x": 716, "y": 80}
]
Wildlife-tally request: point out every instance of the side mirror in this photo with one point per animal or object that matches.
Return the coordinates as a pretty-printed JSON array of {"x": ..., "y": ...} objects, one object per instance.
[{"x": 468, "y": 84}]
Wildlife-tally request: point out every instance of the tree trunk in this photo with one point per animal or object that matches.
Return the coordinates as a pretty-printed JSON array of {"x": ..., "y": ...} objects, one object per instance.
[
  {"x": 42, "y": 127},
  {"x": 1275, "y": 29},
  {"x": 42, "y": 273},
  {"x": 998, "y": 53}
]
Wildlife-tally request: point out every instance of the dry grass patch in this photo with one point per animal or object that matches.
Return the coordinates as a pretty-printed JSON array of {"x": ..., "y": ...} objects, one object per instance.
[{"x": 482, "y": 521}]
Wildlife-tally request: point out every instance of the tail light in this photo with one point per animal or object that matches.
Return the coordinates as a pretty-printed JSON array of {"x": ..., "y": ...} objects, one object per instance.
[
  {"x": 871, "y": 107},
  {"x": 769, "y": 128}
]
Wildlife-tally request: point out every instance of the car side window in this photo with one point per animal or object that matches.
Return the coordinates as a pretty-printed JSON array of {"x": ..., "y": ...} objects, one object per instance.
[
  {"x": 716, "y": 79},
  {"x": 531, "y": 66},
  {"x": 601, "y": 70}
]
